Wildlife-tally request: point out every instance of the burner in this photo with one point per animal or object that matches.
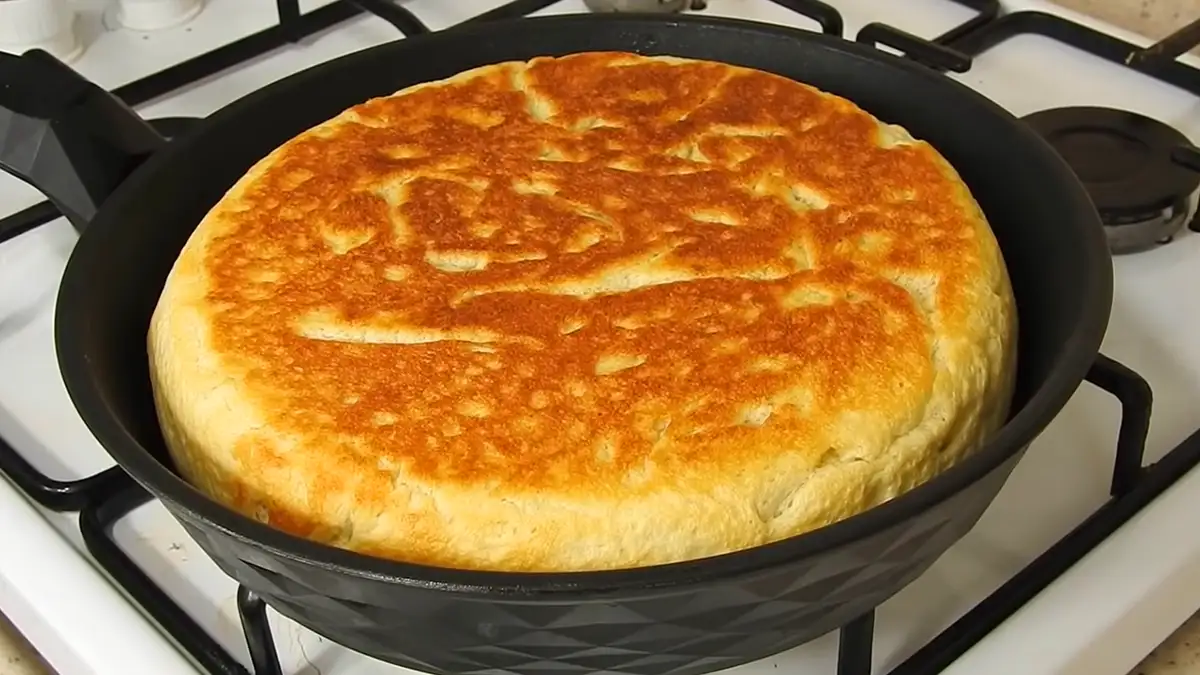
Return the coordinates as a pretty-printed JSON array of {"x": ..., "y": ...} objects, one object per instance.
[
  {"x": 1124, "y": 161},
  {"x": 662, "y": 6}
]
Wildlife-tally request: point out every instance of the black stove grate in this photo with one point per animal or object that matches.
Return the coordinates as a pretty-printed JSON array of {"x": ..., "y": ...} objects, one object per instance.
[
  {"x": 1112, "y": 49},
  {"x": 987, "y": 11},
  {"x": 1133, "y": 487},
  {"x": 105, "y": 498},
  {"x": 96, "y": 522}
]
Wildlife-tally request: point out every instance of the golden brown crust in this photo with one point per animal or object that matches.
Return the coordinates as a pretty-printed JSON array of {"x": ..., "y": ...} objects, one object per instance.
[{"x": 588, "y": 312}]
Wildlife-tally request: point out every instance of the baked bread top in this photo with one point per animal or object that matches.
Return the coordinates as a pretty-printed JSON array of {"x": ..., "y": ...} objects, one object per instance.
[{"x": 589, "y": 312}]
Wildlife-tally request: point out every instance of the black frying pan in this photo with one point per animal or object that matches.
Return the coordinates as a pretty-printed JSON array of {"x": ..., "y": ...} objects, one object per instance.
[{"x": 681, "y": 618}]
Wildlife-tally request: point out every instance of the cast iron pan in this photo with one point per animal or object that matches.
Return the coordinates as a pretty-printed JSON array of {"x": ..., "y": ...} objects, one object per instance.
[{"x": 682, "y": 618}]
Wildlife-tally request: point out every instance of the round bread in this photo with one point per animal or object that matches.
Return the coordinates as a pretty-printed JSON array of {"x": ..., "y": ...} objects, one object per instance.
[{"x": 590, "y": 312}]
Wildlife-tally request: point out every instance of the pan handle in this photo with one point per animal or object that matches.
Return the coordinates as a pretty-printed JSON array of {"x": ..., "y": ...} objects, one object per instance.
[
  {"x": 65, "y": 136},
  {"x": 925, "y": 52}
]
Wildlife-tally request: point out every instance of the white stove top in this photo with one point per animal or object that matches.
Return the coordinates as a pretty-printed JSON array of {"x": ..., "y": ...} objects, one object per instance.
[{"x": 1101, "y": 618}]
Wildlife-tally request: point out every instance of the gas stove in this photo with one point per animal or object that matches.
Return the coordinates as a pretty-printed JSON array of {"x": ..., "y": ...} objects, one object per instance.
[{"x": 1086, "y": 561}]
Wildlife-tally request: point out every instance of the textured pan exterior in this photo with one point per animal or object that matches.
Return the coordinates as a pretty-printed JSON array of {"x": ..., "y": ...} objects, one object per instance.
[
  {"x": 695, "y": 629},
  {"x": 593, "y": 312}
]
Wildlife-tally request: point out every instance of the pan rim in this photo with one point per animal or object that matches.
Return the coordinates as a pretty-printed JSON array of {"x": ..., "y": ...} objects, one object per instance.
[{"x": 187, "y": 503}]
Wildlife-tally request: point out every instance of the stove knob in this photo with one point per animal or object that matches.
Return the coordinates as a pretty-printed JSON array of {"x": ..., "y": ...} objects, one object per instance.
[
  {"x": 150, "y": 15},
  {"x": 39, "y": 24}
]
